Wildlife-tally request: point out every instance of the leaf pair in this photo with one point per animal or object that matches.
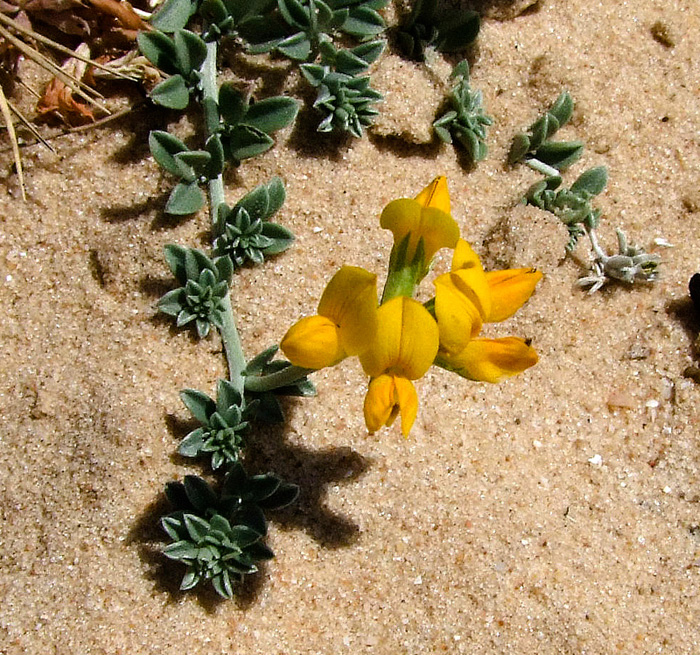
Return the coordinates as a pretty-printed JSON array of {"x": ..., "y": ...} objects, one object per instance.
[
  {"x": 536, "y": 143},
  {"x": 269, "y": 409},
  {"x": 191, "y": 167},
  {"x": 181, "y": 57},
  {"x": 246, "y": 127}
]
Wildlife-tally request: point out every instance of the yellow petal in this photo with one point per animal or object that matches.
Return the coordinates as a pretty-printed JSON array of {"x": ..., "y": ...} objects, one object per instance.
[
  {"x": 406, "y": 341},
  {"x": 387, "y": 396},
  {"x": 458, "y": 318},
  {"x": 313, "y": 342},
  {"x": 350, "y": 301},
  {"x": 407, "y": 399},
  {"x": 490, "y": 360},
  {"x": 435, "y": 227},
  {"x": 510, "y": 289},
  {"x": 436, "y": 195},
  {"x": 464, "y": 256},
  {"x": 469, "y": 277}
]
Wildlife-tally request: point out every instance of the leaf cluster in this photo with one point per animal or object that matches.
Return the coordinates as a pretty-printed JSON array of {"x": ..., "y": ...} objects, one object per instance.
[
  {"x": 448, "y": 29},
  {"x": 180, "y": 56},
  {"x": 466, "y": 121},
  {"x": 536, "y": 143},
  {"x": 245, "y": 126},
  {"x": 298, "y": 28},
  {"x": 244, "y": 231},
  {"x": 219, "y": 536},
  {"x": 223, "y": 424},
  {"x": 191, "y": 167},
  {"x": 242, "y": 132},
  {"x": 573, "y": 205},
  {"x": 204, "y": 287},
  {"x": 346, "y": 99}
]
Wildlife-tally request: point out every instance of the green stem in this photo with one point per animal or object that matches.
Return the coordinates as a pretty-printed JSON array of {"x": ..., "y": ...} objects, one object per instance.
[
  {"x": 232, "y": 347},
  {"x": 546, "y": 170},
  {"x": 210, "y": 95},
  {"x": 284, "y": 378},
  {"x": 235, "y": 356}
]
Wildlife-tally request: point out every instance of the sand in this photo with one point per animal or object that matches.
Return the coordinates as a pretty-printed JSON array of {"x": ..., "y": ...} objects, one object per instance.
[{"x": 555, "y": 513}]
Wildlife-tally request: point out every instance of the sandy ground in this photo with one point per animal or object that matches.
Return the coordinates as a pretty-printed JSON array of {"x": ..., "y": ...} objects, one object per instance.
[{"x": 555, "y": 513}]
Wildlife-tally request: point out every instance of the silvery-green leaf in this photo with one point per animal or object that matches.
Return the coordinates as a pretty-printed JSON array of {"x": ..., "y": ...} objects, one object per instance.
[
  {"x": 164, "y": 146},
  {"x": 232, "y": 104},
  {"x": 171, "y": 93},
  {"x": 159, "y": 49},
  {"x": 592, "y": 181},
  {"x": 185, "y": 198},
  {"x": 189, "y": 580},
  {"x": 297, "y": 47},
  {"x": 181, "y": 550},
  {"x": 173, "y": 15},
  {"x": 201, "y": 405},
  {"x": 190, "y": 51},
  {"x": 199, "y": 493},
  {"x": 191, "y": 445},
  {"x": 363, "y": 22},
  {"x": 246, "y": 141},
  {"x": 281, "y": 238},
  {"x": 171, "y": 302}
]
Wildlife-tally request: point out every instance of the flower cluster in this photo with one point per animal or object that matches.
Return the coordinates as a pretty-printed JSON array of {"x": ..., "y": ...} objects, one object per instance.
[{"x": 399, "y": 339}]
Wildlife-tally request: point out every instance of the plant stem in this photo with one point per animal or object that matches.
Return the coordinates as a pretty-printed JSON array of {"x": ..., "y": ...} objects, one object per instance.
[
  {"x": 283, "y": 378},
  {"x": 546, "y": 170},
  {"x": 210, "y": 93},
  {"x": 229, "y": 333},
  {"x": 600, "y": 253}
]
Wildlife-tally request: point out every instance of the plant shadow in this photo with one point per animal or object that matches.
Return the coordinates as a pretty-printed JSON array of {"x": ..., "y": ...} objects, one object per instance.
[
  {"x": 685, "y": 312},
  {"x": 268, "y": 450},
  {"x": 313, "y": 471}
]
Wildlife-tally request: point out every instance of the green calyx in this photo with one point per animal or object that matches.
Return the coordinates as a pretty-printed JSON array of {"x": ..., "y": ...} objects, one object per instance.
[
  {"x": 405, "y": 273},
  {"x": 201, "y": 298}
]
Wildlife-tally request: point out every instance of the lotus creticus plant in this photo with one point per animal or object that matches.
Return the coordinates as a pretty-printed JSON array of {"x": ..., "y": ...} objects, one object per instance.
[{"x": 398, "y": 339}]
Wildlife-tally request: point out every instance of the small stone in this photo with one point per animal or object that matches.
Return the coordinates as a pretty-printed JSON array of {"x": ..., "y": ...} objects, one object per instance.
[
  {"x": 620, "y": 399},
  {"x": 662, "y": 34},
  {"x": 691, "y": 202}
]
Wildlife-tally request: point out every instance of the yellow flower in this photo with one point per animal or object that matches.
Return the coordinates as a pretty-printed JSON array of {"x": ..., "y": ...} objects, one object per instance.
[
  {"x": 491, "y": 360},
  {"x": 420, "y": 227},
  {"x": 403, "y": 349},
  {"x": 345, "y": 324},
  {"x": 467, "y": 297}
]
